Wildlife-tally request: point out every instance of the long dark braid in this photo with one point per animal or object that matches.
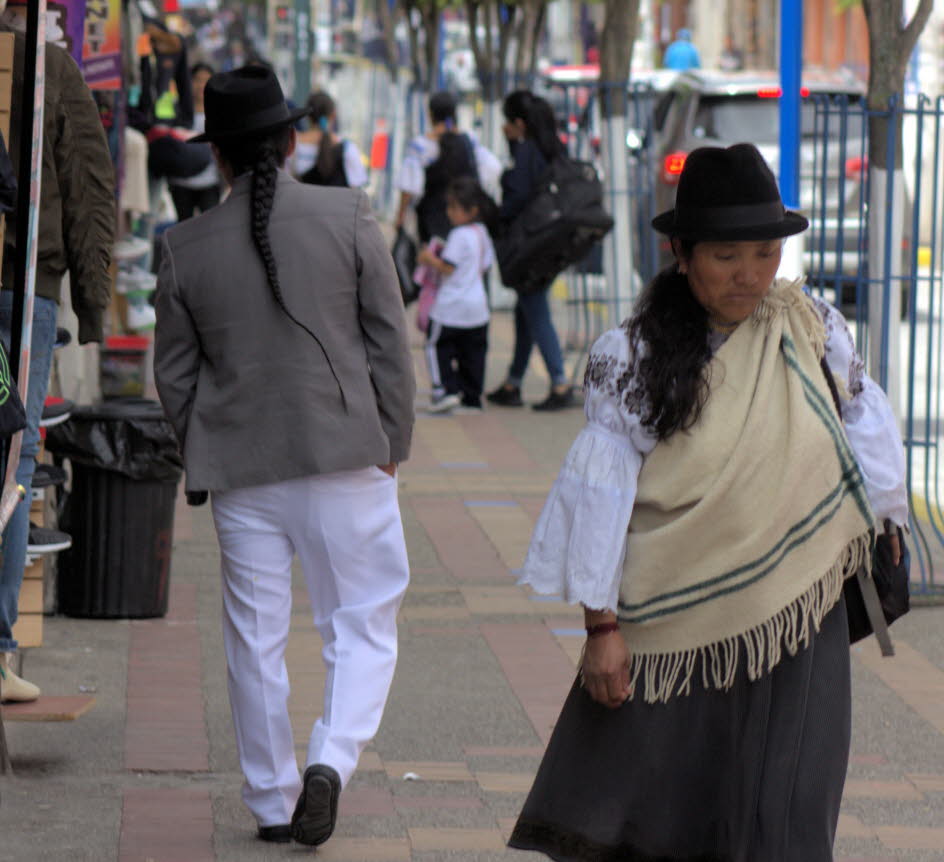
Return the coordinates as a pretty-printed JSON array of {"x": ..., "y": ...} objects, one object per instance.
[{"x": 264, "y": 156}]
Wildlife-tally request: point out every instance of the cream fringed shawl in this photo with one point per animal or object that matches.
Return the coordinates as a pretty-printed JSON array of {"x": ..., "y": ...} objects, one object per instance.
[{"x": 745, "y": 526}]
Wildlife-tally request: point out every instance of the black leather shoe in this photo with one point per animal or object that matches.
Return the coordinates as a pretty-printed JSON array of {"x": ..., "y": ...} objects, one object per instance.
[
  {"x": 280, "y": 834},
  {"x": 506, "y": 396},
  {"x": 316, "y": 811}
]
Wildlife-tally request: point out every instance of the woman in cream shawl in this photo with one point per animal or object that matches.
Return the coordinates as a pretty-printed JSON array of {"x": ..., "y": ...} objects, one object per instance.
[{"x": 706, "y": 518}]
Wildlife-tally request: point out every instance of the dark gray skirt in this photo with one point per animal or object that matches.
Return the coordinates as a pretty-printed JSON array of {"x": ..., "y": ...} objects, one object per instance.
[{"x": 753, "y": 774}]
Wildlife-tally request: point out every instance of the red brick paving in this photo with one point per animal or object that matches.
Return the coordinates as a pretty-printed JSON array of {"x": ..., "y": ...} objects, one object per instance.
[
  {"x": 166, "y": 825},
  {"x": 461, "y": 545},
  {"x": 436, "y": 803},
  {"x": 366, "y": 801},
  {"x": 165, "y": 729},
  {"x": 538, "y": 670},
  {"x": 498, "y": 444}
]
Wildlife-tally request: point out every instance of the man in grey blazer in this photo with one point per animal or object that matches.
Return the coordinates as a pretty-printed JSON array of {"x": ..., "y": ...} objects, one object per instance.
[{"x": 281, "y": 358}]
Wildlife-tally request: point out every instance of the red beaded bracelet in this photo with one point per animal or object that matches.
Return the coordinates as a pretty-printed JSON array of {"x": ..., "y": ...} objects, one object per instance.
[{"x": 602, "y": 629}]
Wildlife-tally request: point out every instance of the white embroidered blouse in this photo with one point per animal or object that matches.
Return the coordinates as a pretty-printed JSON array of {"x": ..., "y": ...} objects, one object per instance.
[{"x": 575, "y": 552}]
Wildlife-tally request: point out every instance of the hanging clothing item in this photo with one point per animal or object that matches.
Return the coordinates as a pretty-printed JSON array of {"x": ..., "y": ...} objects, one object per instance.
[{"x": 77, "y": 204}]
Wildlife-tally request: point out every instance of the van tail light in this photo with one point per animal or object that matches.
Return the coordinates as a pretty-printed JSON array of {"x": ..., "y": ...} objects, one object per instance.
[
  {"x": 857, "y": 167},
  {"x": 672, "y": 167},
  {"x": 769, "y": 93}
]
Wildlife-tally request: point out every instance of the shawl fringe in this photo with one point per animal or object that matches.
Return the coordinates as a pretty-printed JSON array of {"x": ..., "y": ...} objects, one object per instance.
[{"x": 663, "y": 675}]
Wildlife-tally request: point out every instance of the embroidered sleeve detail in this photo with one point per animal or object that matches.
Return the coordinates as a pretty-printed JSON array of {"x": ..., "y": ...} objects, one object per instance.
[
  {"x": 841, "y": 354},
  {"x": 612, "y": 382}
]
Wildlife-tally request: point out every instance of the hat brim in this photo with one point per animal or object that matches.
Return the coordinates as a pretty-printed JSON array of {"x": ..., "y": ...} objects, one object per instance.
[
  {"x": 208, "y": 137},
  {"x": 791, "y": 224}
]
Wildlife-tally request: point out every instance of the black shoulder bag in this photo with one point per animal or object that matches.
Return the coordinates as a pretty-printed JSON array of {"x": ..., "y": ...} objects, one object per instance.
[{"x": 873, "y": 602}]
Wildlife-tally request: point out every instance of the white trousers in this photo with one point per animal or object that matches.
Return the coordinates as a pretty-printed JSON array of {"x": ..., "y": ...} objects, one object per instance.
[{"x": 347, "y": 533}]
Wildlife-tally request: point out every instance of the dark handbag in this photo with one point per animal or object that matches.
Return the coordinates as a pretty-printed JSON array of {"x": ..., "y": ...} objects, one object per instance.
[
  {"x": 558, "y": 227},
  {"x": 889, "y": 584},
  {"x": 874, "y": 601},
  {"x": 12, "y": 412},
  {"x": 404, "y": 259}
]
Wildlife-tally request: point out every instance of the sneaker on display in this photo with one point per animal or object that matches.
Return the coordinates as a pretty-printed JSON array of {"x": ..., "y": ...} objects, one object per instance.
[
  {"x": 48, "y": 475},
  {"x": 63, "y": 337},
  {"x": 130, "y": 247},
  {"x": 136, "y": 279},
  {"x": 141, "y": 315},
  {"x": 55, "y": 410},
  {"x": 43, "y": 540}
]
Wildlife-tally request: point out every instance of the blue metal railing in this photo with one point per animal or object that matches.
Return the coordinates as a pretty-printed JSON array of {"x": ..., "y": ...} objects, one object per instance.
[{"x": 846, "y": 234}]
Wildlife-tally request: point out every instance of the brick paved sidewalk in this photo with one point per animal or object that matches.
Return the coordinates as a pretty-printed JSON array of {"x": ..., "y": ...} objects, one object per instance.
[{"x": 151, "y": 772}]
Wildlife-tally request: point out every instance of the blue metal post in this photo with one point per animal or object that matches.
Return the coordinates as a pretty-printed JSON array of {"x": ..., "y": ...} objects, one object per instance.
[{"x": 791, "y": 64}]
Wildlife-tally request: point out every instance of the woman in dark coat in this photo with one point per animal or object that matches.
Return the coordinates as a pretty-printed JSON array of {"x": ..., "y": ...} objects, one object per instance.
[{"x": 532, "y": 136}]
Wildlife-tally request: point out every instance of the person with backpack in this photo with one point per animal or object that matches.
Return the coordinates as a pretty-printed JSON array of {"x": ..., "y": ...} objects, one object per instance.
[
  {"x": 298, "y": 336},
  {"x": 321, "y": 157},
  {"x": 531, "y": 130},
  {"x": 432, "y": 161},
  {"x": 457, "y": 334}
]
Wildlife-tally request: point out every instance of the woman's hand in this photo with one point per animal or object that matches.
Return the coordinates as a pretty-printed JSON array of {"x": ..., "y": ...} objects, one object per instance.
[
  {"x": 426, "y": 256},
  {"x": 605, "y": 669},
  {"x": 894, "y": 545}
]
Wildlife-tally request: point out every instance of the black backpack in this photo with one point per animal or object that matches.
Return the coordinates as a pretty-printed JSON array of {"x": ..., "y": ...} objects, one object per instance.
[{"x": 557, "y": 228}]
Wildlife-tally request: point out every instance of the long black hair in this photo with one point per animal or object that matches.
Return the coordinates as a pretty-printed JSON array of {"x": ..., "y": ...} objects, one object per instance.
[
  {"x": 671, "y": 326},
  {"x": 539, "y": 121},
  {"x": 467, "y": 192},
  {"x": 263, "y": 155},
  {"x": 456, "y": 156},
  {"x": 321, "y": 108}
]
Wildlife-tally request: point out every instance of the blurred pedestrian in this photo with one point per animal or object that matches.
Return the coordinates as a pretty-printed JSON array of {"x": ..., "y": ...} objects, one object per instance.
[
  {"x": 531, "y": 130},
  {"x": 457, "y": 336},
  {"x": 682, "y": 54},
  {"x": 76, "y": 233},
  {"x": 201, "y": 192},
  {"x": 321, "y": 157},
  {"x": 434, "y": 160},
  {"x": 706, "y": 518},
  {"x": 292, "y": 398}
]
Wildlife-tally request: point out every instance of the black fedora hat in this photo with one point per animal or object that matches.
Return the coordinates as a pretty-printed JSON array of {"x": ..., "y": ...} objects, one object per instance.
[
  {"x": 246, "y": 101},
  {"x": 728, "y": 194}
]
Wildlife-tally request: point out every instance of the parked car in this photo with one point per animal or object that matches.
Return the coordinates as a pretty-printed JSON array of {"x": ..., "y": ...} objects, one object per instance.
[{"x": 704, "y": 107}]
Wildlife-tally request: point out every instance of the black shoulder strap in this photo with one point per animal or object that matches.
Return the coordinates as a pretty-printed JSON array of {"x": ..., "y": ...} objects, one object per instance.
[{"x": 831, "y": 383}]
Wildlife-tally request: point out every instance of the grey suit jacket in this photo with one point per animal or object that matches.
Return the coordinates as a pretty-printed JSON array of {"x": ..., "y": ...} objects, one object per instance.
[{"x": 251, "y": 395}]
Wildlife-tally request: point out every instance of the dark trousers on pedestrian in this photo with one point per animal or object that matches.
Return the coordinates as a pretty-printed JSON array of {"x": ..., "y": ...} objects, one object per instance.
[
  {"x": 188, "y": 201},
  {"x": 456, "y": 359}
]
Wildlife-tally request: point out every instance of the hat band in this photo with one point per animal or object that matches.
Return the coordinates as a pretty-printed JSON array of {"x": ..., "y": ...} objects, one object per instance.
[
  {"x": 717, "y": 218},
  {"x": 256, "y": 120}
]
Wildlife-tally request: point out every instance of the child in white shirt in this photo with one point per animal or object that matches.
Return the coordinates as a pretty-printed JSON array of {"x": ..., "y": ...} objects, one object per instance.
[{"x": 457, "y": 336}]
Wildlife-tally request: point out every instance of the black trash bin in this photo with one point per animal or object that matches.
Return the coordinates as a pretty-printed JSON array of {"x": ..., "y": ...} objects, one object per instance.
[{"x": 120, "y": 510}]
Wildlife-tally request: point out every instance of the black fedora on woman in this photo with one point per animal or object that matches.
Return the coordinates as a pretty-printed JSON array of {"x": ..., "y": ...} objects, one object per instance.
[
  {"x": 245, "y": 102},
  {"x": 728, "y": 194}
]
